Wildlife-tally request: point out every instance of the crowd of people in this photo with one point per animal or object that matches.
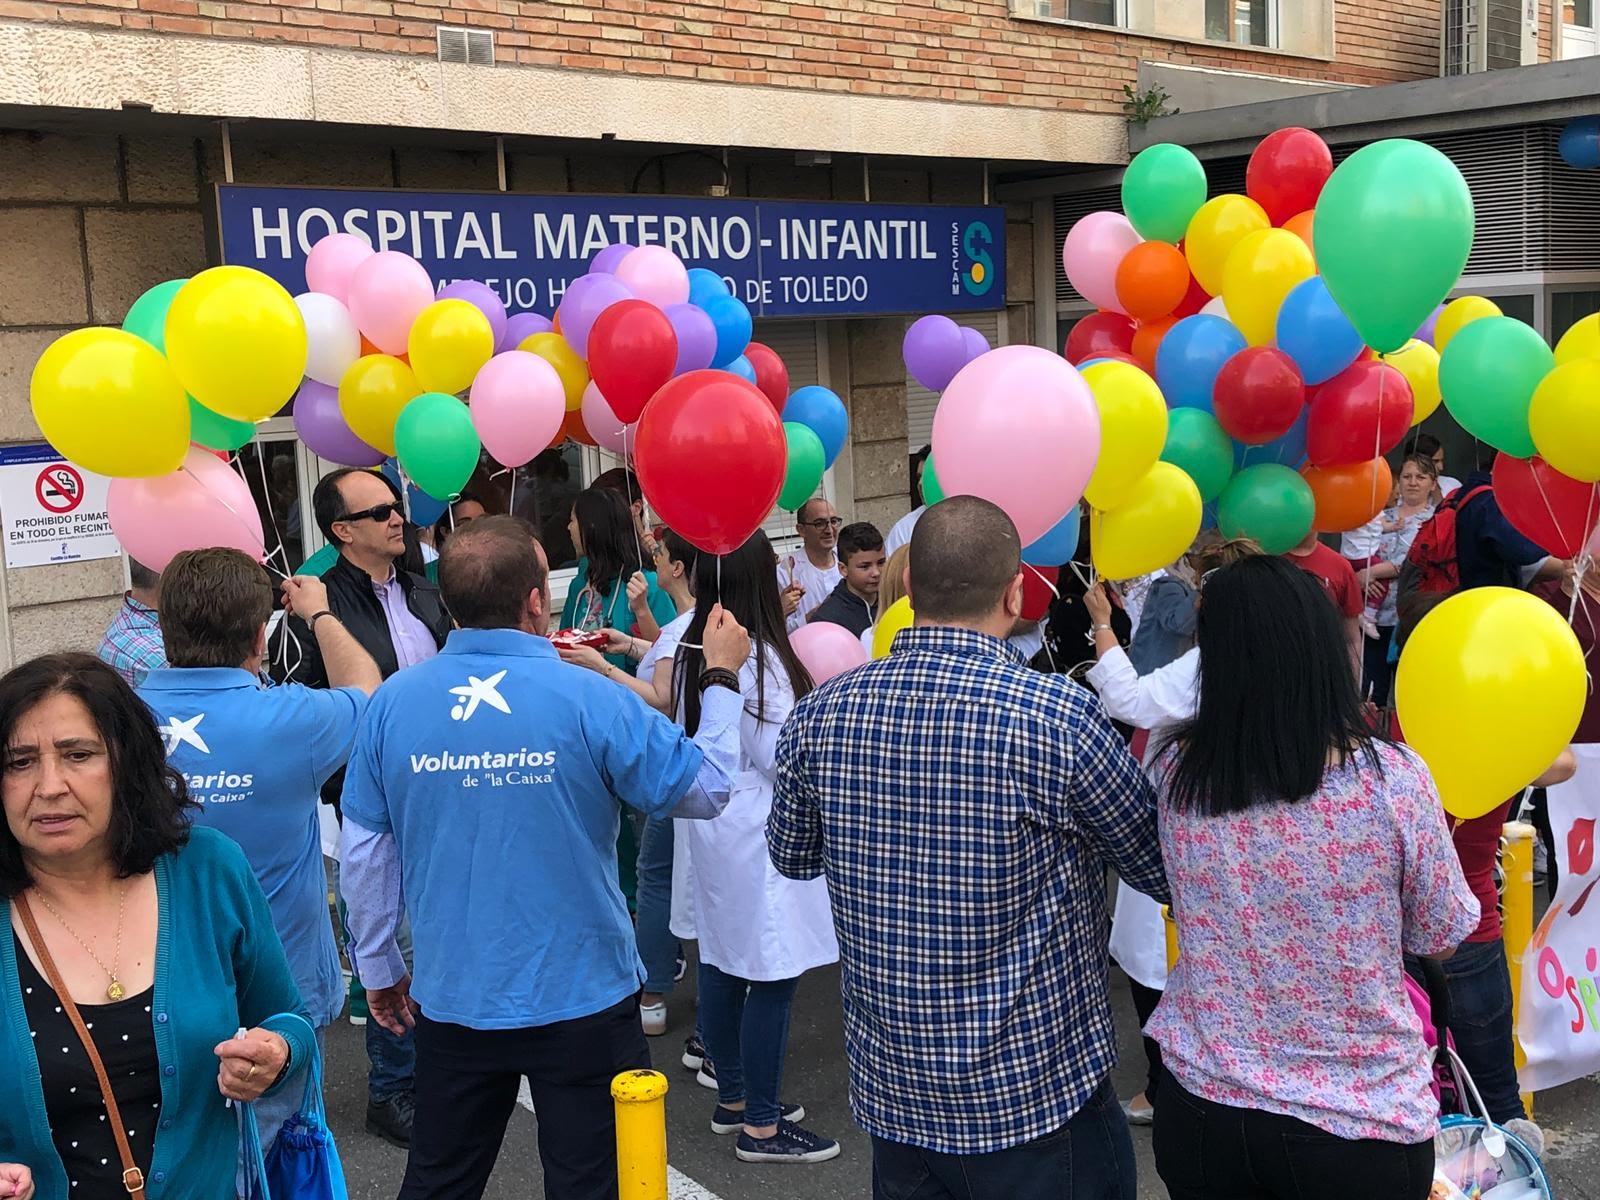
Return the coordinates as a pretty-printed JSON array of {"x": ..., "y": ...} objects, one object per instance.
[{"x": 525, "y": 833}]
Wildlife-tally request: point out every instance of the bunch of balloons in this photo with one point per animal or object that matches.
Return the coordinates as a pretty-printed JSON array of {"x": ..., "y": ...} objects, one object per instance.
[{"x": 1287, "y": 330}]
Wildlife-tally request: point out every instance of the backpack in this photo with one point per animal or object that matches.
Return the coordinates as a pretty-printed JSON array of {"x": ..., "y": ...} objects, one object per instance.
[{"x": 1433, "y": 563}]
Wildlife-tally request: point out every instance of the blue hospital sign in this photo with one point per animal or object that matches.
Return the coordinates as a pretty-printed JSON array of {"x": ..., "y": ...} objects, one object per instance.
[{"x": 783, "y": 259}]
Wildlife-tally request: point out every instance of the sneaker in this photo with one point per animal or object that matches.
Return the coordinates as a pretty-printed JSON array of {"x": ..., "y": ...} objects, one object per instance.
[
  {"x": 683, "y": 968},
  {"x": 391, "y": 1120},
  {"x": 791, "y": 1144},
  {"x": 1138, "y": 1116},
  {"x": 707, "y": 1076},
  {"x": 356, "y": 1009},
  {"x": 654, "y": 1018},
  {"x": 727, "y": 1120},
  {"x": 694, "y": 1052}
]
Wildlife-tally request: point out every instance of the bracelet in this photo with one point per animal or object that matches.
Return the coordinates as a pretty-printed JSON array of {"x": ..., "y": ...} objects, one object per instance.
[
  {"x": 719, "y": 677},
  {"x": 1098, "y": 628},
  {"x": 315, "y": 617}
]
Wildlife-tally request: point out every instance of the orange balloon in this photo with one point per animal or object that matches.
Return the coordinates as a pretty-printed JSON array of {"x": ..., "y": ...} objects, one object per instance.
[
  {"x": 1300, "y": 226},
  {"x": 572, "y": 427},
  {"x": 1152, "y": 280},
  {"x": 1348, "y": 497},
  {"x": 1147, "y": 340},
  {"x": 368, "y": 348},
  {"x": 555, "y": 327}
]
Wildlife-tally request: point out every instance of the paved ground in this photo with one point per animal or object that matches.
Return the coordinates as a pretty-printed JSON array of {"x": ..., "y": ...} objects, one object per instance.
[{"x": 816, "y": 1077}]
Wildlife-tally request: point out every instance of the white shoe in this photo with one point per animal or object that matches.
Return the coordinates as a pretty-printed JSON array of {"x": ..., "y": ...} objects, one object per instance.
[{"x": 654, "y": 1018}]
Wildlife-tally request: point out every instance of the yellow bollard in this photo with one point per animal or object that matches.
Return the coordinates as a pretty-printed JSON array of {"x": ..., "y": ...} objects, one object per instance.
[
  {"x": 1172, "y": 936},
  {"x": 640, "y": 1099},
  {"x": 1516, "y": 917}
]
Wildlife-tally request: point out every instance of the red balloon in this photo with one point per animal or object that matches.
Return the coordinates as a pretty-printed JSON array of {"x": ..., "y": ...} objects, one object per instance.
[
  {"x": 1258, "y": 395},
  {"x": 1098, "y": 334},
  {"x": 1358, "y": 415},
  {"x": 1553, "y": 511},
  {"x": 1193, "y": 301},
  {"x": 711, "y": 458},
  {"x": 632, "y": 352},
  {"x": 1038, "y": 589},
  {"x": 772, "y": 377},
  {"x": 1287, "y": 171}
]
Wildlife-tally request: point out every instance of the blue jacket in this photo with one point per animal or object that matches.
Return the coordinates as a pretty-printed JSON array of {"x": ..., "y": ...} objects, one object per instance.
[
  {"x": 218, "y": 966},
  {"x": 1489, "y": 549}
]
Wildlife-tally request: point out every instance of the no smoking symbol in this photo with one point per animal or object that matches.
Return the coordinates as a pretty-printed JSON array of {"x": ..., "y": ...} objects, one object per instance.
[{"x": 59, "y": 488}]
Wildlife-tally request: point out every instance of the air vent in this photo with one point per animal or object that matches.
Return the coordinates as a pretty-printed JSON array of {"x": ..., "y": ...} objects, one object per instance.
[{"x": 473, "y": 46}]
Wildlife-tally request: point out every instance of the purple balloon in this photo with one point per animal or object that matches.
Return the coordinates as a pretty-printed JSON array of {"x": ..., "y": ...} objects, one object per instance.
[
  {"x": 322, "y": 427},
  {"x": 974, "y": 341},
  {"x": 697, "y": 337},
  {"x": 605, "y": 263},
  {"x": 935, "y": 349},
  {"x": 586, "y": 298},
  {"x": 482, "y": 297},
  {"x": 520, "y": 328},
  {"x": 1426, "y": 333}
]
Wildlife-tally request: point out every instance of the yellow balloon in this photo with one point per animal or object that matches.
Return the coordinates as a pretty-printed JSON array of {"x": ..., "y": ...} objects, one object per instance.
[
  {"x": 892, "y": 622},
  {"x": 1460, "y": 313},
  {"x": 1489, "y": 690},
  {"x": 1214, "y": 231},
  {"x": 1581, "y": 341},
  {"x": 237, "y": 342},
  {"x": 1262, "y": 268},
  {"x": 1133, "y": 429},
  {"x": 449, "y": 341},
  {"x": 1151, "y": 528},
  {"x": 1419, "y": 363},
  {"x": 574, "y": 372},
  {"x": 110, "y": 402},
  {"x": 1564, "y": 419},
  {"x": 371, "y": 395}
]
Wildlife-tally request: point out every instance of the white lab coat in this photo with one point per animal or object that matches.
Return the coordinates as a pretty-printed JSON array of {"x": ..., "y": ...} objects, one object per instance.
[
  {"x": 752, "y": 922},
  {"x": 1156, "y": 702}
]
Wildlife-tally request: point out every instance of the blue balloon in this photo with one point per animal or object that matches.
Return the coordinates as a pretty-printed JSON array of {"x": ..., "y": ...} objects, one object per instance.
[
  {"x": 1313, "y": 330},
  {"x": 1580, "y": 143},
  {"x": 1289, "y": 450},
  {"x": 1190, "y": 357},
  {"x": 823, "y": 412},
  {"x": 705, "y": 286},
  {"x": 732, "y": 322},
  {"x": 1058, "y": 545},
  {"x": 1208, "y": 512},
  {"x": 742, "y": 368},
  {"x": 425, "y": 510}
]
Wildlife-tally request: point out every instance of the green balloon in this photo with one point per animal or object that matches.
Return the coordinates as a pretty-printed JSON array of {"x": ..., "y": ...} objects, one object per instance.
[
  {"x": 436, "y": 444},
  {"x": 807, "y": 461},
  {"x": 215, "y": 431},
  {"x": 1199, "y": 447},
  {"x": 1162, "y": 189},
  {"x": 1393, "y": 230},
  {"x": 147, "y": 319},
  {"x": 1269, "y": 503},
  {"x": 932, "y": 489},
  {"x": 1488, "y": 373}
]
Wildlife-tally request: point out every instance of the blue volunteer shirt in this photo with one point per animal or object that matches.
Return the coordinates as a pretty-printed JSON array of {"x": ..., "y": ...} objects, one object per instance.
[
  {"x": 497, "y": 768},
  {"x": 256, "y": 759}
]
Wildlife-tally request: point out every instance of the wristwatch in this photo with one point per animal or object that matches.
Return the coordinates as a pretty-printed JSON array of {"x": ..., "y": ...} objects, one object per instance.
[{"x": 315, "y": 617}]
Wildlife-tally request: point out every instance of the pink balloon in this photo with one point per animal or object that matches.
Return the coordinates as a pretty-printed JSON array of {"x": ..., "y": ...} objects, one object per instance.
[
  {"x": 387, "y": 292},
  {"x": 332, "y": 262},
  {"x": 656, "y": 274},
  {"x": 1094, "y": 248},
  {"x": 608, "y": 432},
  {"x": 517, "y": 406},
  {"x": 1018, "y": 427},
  {"x": 203, "y": 503},
  {"x": 827, "y": 650}
]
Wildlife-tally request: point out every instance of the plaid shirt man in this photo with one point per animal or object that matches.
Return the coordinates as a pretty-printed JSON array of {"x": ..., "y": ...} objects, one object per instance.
[
  {"x": 132, "y": 645},
  {"x": 963, "y": 807}
]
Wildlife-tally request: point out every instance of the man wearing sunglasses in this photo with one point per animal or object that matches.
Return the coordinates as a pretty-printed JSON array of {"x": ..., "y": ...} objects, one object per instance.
[
  {"x": 807, "y": 579},
  {"x": 398, "y": 618}
]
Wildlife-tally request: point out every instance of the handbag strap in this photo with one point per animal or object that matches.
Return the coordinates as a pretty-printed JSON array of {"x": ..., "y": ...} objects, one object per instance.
[{"x": 132, "y": 1177}]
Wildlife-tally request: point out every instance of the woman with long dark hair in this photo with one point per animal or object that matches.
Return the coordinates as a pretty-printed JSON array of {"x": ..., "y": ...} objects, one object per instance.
[
  {"x": 603, "y": 532},
  {"x": 1306, "y": 857},
  {"x": 758, "y": 931}
]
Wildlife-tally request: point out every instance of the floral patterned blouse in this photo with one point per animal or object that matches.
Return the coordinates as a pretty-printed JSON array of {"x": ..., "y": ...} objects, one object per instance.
[{"x": 1288, "y": 994}]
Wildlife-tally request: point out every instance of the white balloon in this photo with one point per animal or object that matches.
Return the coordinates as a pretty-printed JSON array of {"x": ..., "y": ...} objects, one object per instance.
[
  {"x": 333, "y": 343},
  {"x": 1216, "y": 308}
]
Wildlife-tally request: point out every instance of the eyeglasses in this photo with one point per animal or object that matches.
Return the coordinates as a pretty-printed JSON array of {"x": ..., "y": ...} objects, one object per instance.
[
  {"x": 378, "y": 512},
  {"x": 1204, "y": 579},
  {"x": 823, "y": 524}
]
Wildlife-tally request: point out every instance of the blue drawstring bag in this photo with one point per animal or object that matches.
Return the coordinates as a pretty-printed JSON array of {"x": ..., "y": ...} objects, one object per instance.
[
  {"x": 1475, "y": 1159},
  {"x": 304, "y": 1163}
]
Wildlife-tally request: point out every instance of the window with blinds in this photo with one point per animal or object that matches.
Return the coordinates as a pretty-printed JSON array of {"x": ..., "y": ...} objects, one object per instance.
[{"x": 920, "y": 402}]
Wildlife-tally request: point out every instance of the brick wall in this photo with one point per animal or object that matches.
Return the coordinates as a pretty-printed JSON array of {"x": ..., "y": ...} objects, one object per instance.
[{"x": 961, "y": 50}]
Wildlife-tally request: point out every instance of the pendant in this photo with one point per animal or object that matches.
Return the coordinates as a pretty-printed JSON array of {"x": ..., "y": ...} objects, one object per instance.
[{"x": 115, "y": 991}]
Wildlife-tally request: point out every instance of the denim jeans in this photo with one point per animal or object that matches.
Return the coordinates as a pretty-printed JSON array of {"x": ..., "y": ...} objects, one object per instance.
[
  {"x": 391, "y": 1060},
  {"x": 746, "y": 1029},
  {"x": 1480, "y": 1022},
  {"x": 1088, "y": 1158},
  {"x": 657, "y": 947}
]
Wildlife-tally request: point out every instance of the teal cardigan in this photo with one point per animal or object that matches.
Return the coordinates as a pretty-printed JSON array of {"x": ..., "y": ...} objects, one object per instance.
[
  {"x": 219, "y": 966},
  {"x": 615, "y": 611}
]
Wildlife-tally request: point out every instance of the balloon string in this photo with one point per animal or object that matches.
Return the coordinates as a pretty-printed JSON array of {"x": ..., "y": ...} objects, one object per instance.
[
  {"x": 1044, "y": 579},
  {"x": 627, "y": 482},
  {"x": 237, "y": 515}
]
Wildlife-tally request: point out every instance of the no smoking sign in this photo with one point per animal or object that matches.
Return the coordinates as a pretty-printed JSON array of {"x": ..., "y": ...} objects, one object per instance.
[{"x": 59, "y": 488}]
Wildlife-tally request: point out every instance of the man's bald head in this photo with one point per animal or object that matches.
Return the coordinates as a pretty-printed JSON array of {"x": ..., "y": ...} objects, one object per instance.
[
  {"x": 965, "y": 556},
  {"x": 488, "y": 570}
]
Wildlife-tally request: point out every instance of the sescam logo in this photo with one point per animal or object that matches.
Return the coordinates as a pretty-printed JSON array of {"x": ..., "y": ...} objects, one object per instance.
[
  {"x": 475, "y": 692},
  {"x": 972, "y": 247}
]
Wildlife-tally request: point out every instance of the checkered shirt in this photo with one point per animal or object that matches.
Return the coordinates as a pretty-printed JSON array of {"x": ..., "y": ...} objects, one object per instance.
[
  {"x": 963, "y": 808},
  {"x": 132, "y": 645}
]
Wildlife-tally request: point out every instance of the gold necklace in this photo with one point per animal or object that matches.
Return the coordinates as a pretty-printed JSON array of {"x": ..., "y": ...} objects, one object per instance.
[{"x": 114, "y": 989}]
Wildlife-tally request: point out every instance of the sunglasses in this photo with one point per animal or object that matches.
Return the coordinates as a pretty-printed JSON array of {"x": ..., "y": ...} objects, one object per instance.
[
  {"x": 378, "y": 512},
  {"x": 822, "y": 524}
]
